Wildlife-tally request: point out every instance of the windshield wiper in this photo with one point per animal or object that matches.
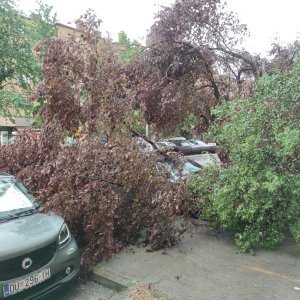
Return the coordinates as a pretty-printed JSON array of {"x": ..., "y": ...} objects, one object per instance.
[
  {"x": 4, "y": 219},
  {"x": 18, "y": 214},
  {"x": 25, "y": 212}
]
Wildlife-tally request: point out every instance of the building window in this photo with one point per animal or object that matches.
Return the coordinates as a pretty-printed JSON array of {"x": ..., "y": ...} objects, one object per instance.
[{"x": 3, "y": 138}]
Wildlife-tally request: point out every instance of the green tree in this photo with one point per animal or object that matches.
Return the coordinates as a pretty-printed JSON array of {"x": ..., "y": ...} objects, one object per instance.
[
  {"x": 257, "y": 194},
  {"x": 15, "y": 52},
  {"x": 42, "y": 23},
  {"x": 20, "y": 68},
  {"x": 128, "y": 48}
]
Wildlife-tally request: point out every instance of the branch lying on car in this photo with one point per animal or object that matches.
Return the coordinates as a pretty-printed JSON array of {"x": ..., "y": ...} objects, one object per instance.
[
  {"x": 99, "y": 179},
  {"x": 195, "y": 150},
  {"x": 161, "y": 152}
]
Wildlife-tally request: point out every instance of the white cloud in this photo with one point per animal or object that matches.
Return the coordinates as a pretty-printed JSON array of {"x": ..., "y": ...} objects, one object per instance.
[{"x": 267, "y": 19}]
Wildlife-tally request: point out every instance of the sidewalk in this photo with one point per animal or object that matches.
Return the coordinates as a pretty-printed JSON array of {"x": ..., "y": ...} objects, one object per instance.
[{"x": 205, "y": 266}]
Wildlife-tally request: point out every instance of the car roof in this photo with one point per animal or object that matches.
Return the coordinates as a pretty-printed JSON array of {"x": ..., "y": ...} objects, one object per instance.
[{"x": 179, "y": 138}]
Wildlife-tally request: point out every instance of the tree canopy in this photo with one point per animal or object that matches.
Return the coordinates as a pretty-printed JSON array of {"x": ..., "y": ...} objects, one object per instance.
[
  {"x": 192, "y": 62},
  {"x": 256, "y": 195},
  {"x": 130, "y": 48},
  {"x": 20, "y": 69}
]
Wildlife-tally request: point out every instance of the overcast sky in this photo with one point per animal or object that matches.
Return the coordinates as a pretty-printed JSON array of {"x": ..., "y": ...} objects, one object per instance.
[{"x": 265, "y": 18}]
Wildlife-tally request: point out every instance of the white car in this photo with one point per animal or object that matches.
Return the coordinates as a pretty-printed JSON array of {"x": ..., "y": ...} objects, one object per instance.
[
  {"x": 198, "y": 143},
  {"x": 164, "y": 145}
]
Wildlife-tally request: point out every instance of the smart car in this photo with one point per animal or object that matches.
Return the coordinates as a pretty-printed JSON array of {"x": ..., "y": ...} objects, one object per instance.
[{"x": 37, "y": 252}]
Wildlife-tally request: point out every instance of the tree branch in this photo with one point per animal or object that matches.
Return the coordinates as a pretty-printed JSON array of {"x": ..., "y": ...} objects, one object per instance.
[
  {"x": 99, "y": 179},
  {"x": 240, "y": 73},
  {"x": 164, "y": 154},
  {"x": 237, "y": 55}
]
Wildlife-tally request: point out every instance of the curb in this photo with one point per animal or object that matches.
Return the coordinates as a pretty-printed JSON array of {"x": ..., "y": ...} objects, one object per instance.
[{"x": 110, "y": 280}]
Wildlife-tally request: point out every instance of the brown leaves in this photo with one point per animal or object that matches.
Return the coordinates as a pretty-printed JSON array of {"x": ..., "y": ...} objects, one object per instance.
[
  {"x": 83, "y": 80},
  {"x": 106, "y": 190},
  {"x": 191, "y": 63},
  {"x": 106, "y": 194}
]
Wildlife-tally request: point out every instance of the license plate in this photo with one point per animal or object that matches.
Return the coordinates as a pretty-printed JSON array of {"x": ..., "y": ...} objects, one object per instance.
[{"x": 25, "y": 283}]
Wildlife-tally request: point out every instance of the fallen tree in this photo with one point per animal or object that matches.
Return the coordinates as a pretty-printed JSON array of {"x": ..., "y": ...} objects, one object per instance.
[
  {"x": 195, "y": 150},
  {"x": 107, "y": 192},
  {"x": 191, "y": 63}
]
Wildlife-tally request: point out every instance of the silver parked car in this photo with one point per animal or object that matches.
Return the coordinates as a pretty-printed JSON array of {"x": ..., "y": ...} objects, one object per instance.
[
  {"x": 37, "y": 252},
  {"x": 188, "y": 168}
]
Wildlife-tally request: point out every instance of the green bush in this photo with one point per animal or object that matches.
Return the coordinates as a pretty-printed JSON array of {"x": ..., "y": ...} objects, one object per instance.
[{"x": 258, "y": 194}]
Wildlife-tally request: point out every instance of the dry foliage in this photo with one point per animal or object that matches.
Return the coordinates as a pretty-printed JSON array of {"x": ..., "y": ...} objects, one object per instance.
[
  {"x": 191, "y": 63},
  {"x": 145, "y": 292},
  {"x": 106, "y": 191}
]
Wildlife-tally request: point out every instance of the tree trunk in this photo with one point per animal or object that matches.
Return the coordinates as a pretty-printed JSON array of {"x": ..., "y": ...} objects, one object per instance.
[{"x": 195, "y": 150}]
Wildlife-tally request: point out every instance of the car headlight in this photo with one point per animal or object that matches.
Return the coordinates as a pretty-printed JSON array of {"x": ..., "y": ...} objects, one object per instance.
[{"x": 64, "y": 236}]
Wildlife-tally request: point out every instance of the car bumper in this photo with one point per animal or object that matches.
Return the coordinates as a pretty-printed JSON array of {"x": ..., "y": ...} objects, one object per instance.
[{"x": 63, "y": 258}]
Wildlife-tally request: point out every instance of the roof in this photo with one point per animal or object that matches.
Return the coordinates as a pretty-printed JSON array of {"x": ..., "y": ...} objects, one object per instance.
[
  {"x": 205, "y": 159},
  {"x": 18, "y": 122},
  {"x": 66, "y": 26},
  {"x": 179, "y": 138}
]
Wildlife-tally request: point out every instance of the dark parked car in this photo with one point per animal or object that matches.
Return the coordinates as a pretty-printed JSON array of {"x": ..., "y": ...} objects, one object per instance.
[{"x": 37, "y": 252}]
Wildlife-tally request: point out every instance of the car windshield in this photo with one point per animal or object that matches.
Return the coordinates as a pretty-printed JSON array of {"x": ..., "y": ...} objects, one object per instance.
[
  {"x": 185, "y": 144},
  {"x": 170, "y": 144},
  {"x": 188, "y": 168},
  {"x": 14, "y": 201},
  {"x": 197, "y": 143},
  {"x": 161, "y": 144}
]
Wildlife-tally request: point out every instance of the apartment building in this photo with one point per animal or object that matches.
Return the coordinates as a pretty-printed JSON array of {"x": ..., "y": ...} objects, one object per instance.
[{"x": 9, "y": 126}]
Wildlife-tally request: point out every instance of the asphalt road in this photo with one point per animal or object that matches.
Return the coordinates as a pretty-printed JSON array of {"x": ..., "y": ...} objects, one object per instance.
[
  {"x": 208, "y": 266},
  {"x": 203, "y": 266},
  {"x": 88, "y": 291}
]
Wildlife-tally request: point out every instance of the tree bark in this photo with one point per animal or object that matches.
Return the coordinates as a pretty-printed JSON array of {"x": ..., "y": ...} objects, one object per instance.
[{"x": 195, "y": 150}]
